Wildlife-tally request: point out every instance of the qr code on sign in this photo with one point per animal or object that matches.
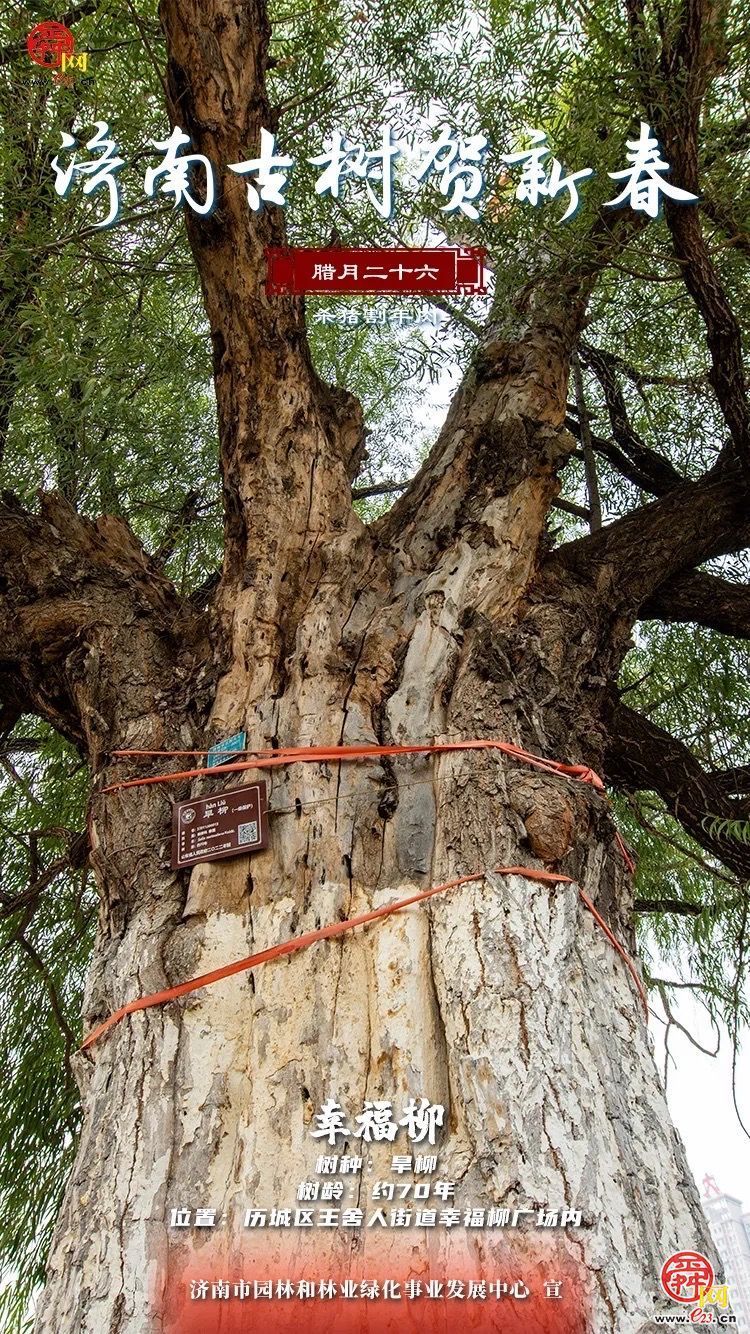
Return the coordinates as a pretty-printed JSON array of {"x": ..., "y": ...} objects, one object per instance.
[{"x": 248, "y": 833}]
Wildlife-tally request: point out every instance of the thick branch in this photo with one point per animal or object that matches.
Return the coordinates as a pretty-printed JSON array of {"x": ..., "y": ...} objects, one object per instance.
[
  {"x": 701, "y": 279},
  {"x": 639, "y": 377},
  {"x": 702, "y": 599},
  {"x": 650, "y": 476},
  {"x": 288, "y": 443},
  {"x": 643, "y": 757},
  {"x": 482, "y": 452},
  {"x": 378, "y": 489},
  {"x": 687, "y": 66},
  {"x": 630, "y": 559},
  {"x": 392, "y": 488},
  {"x": 735, "y": 781},
  {"x": 569, "y": 507},
  {"x": 646, "y": 460},
  {"x": 70, "y": 590}
]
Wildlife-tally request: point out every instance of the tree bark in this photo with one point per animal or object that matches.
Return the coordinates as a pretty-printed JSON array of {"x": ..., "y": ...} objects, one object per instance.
[
  {"x": 447, "y": 619},
  {"x": 503, "y": 1000}
]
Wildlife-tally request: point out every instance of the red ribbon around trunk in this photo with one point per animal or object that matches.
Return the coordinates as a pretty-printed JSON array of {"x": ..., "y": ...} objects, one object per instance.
[{"x": 268, "y": 759}]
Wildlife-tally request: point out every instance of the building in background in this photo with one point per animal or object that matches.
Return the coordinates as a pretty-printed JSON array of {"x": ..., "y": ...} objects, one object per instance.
[{"x": 730, "y": 1228}]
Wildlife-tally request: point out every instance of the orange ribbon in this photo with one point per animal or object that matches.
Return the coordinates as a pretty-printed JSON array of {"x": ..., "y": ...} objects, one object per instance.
[
  {"x": 271, "y": 759},
  {"x": 339, "y": 928}
]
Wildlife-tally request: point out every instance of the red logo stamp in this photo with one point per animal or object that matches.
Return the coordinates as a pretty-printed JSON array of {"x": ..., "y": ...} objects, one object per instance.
[
  {"x": 48, "y": 42},
  {"x": 685, "y": 1275}
]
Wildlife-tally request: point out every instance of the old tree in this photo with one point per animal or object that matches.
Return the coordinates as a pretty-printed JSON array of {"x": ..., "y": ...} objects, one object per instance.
[{"x": 585, "y": 501}]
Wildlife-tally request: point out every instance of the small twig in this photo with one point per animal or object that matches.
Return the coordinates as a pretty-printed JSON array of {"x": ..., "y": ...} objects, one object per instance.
[
  {"x": 379, "y": 489},
  {"x": 678, "y": 847},
  {"x": 667, "y": 1054},
  {"x": 589, "y": 458},
  {"x": 200, "y": 595},
  {"x": 294, "y": 102},
  {"x": 72, "y": 860},
  {"x": 569, "y": 507},
  {"x": 679, "y": 906},
  {"x": 124, "y": 220},
  {"x": 22, "y": 745},
  {"x": 149, "y": 49},
  {"x": 635, "y": 684},
  {"x": 736, "y": 1011},
  {"x": 41, "y": 967},
  {"x": 22, "y": 783},
  {"x": 686, "y": 986},
  {"x": 683, "y": 1029},
  {"x": 186, "y": 515}
]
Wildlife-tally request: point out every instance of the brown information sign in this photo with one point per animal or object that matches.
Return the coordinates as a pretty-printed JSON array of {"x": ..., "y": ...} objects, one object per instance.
[{"x": 225, "y": 825}]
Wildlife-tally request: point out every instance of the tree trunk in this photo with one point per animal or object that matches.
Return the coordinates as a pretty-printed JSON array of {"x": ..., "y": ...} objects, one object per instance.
[
  {"x": 449, "y": 619},
  {"x": 502, "y": 1000}
]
